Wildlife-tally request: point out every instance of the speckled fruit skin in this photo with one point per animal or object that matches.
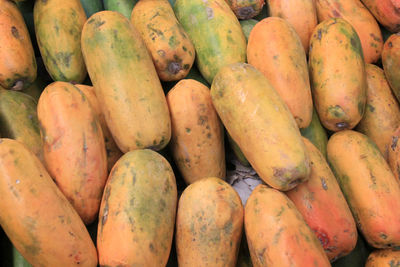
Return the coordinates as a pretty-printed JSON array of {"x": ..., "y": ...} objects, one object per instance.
[
  {"x": 338, "y": 83},
  {"x": 369, "y": 186},
  {"x": 137, "y": 213},
  {"x": 209, "y": 224},
  {"x": 246, "y": 9},
  {"x": 387, "y": 12},
  {"x": 383, "y": 258},
  {"x": 36, "y": 216},
  {"x": 391, "y": 63},
  {"x": 394, "y": 153}
]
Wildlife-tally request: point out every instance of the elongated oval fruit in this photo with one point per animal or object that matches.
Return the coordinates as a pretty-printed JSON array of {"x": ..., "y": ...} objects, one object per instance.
[
  {"x": 74, "y": 150},
  {"x": 301, "y": 14},
  {"x": 334, "y": 226},
  {"x": 17, "y": 59},
  {"x": 58, "y": 27},
  {"x": 170, "y": 47},
  {"x": 209, "y": 224},
  {"x": 122, "y": 6},
  {"x": 391, "y": 63},
  {"x": 215, "y": 32},
  {"x": 370, "y": 188},
  {"x": 34, "y": 211},
  {"x": 337, "y": 72},
  {"x": 382, "y": 113},
  {"x": 277, "y": 233},
  {"x": 383, "y": 258},
  {"x": 113, "y": 152},
  {"x": 316, "y": 133},
  {"x": 355, "y": 13},
  {"x": 197, "y": 141},
  {"x": 387, "y": 12},
  {"x": 394, "y": 153},
  {"x": 19, "y": 121},
  {"x": 246, "y": 9},
  {"x": 137, "y": 214},
  {"x": 263, "y": 126},
  {"x": 133, "y": 102},
  {"x": 274, "y": 48}
]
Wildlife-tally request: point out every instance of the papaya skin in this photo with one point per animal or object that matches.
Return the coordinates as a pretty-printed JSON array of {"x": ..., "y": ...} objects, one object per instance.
[
  {"x": 18, "y": 68},
  {"x": 209, "y": 224},
  {"x": 215, "y": 32},
  {"x": 170, "y": 47},
  {"x": 59, "y": 39},
  {"x": 387, "y": 12},
  {"x": 338, "y": 82},
  {"x": 35, "y": 211},
  {"x": 394, "y": 153},
  {"x": 301, "y": 14},
  {"x": 113, "y": 152},
  {"x": 383, "y": 258},
  {"x": 137, "y": 214},
  {"x": 334, "y": 226},
  {"x": 246, "y": 9},
  {"x": 316, "y": 133},
  {"x": 263, "y": 127},
  {"x": 272, "y": 223},
  {"x": 369, "y": 186},
  {"x": 197, "y": 142},
  {"x": 382, "y": 113},
  {"x": 360, "y": 18},
  {"x": 391, "y": 63},
  {"x": 73, "y": 144},
  {"x": 133, "y": 102},
  {"x": 275, "y": 48}
]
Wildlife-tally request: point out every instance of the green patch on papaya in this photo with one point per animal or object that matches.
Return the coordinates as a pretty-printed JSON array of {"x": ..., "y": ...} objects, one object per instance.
[{"x": 370, "y": 108}]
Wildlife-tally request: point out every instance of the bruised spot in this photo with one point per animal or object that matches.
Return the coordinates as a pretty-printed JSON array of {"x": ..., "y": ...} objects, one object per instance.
[
  {"x": 98, "y": 23},
  {"x": 383, "y": 236},
  {"x": 245, "y": 12},
  {"x": 151, "y": 247},
  {"x": 376, "y": 38},
  {"x": 370, "y": 108},
  {"x": 390, "y": 44},
  {"x": 322, "y": 237},
  {"x": 336, "y": 14},
  {"x": 394, "y": 142},
  {"x": 174, "y": 67},
  {"x": 105, "y": 213},
  {"x": 342, "y": 125},
  {"x": 324, "y": 185},
  {"x": 319, "y": 34},
  {"x": 202, "y": 120},
  {"x": 210, "y": 13},
  {"x": 15, "y": 33}
]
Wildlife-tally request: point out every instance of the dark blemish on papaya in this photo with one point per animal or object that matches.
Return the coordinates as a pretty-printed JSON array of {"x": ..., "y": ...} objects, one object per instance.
[
  {"x": 188, "y": 130},
  {"x": 99, "y": 23},
  {"x": 184, "y": 48},
  {"x": 370, "y": 108},
  {"x": 373, "y": 178},
  {"x": 209, "y": 135},
  {"x": 390, "y": 45},
  {"x": 260, "y": 256},
  {"x": 277, "y": 235},
  {"x": 394, "y": 142},
  {"x": 186, "y": 66},
  {"x": 295, "y": 182},
  {"x": 319, "y": 34},
  {"x": 157, "y": 31},
  {"x": 15, "y": 33},
  {"x": 335, "y": 13},
  {"x": 151, "y": 247},
  {"x": 174, "y": 67},
  {"x": 376, "y": 38},
  {"x": 323, "y": 182},
  {"x": 245, "y": 12},
  {"x": 322, "y": 237},
  {"x": 383, "y": 236},
  {"x": 202, "y": 120},
  {"x": 210, "y": 13},
  {"x": 172, "y": 41},
  {"x": 107, "y": 193},
  {"x": 155, "y": 15},
  {"x": 138, "y": 144},
  {"x": 71, "y": 233},
  {"x": 44, "y": 1},
  {"x": 342, "y": 125},
  {"x": 275, "y": 57}
]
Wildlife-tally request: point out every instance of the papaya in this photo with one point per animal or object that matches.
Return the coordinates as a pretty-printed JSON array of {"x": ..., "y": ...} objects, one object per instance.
[
  {"x": 209, "y": 224},
  {"x": 387, "y": 12},
  {"x": 394, "y": 153},
  {"x": 58, "y": 27},
  {"x": 122, "y": 6},
  {"x": 17, "y": 59},
  {"x": 246, "y": 9},
  {"x": 137, "y": 214},
  {"x": 355, "y": 13},
  {"x": 133, "y": 102},
  {"x": 316, "y": 133},
  {"x": 92, "y": 6},
  {"x": 197, "y": 140},
  {"x": 112, "y": 150},
  {"x": 275, "y": 48},
  {"x": 263, "y": 126},
  {"x": 73, "y": 144},
  {"x": 369, "y": 186},
  {"x": 215, "y": 32},
  {"x": 383, "y": 257},
  {"x": 301, "y": 14},
  {"x": 391, "y": 63},
  {"x": 34, "y": 211},
  {"x": 18, "y": 259},
  {"x": 337, "y": 72},
  {"x": 36, "y": 88},
  {"x": 19, "y": 120},
  {"x": 247, "y": 26},
  {"x": 237, "y": 151},
  {"x": 170, "y": 47},
  {"x": 382, "y": 113},
  {"x": 335, "y": 226},
  {"x": 277, "y": 234}
]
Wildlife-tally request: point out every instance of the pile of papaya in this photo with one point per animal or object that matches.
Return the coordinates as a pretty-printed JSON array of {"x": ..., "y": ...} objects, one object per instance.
[{"x": 119, "y": 120}]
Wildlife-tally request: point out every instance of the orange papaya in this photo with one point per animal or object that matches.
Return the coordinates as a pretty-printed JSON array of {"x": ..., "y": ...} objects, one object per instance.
[
  {"x": 36, "y": 216},
  {"x": 275, "y": 48},
  {"x": 334, "y": 226},
  {"x": 369, "y": 186},
  {"x": 133, "y": 102},
  {"x": 137, "y": 214},
  {"x": 391, "y": 63},
  {"x": 277, "y": 234},
  {"x": 355, "y": 13},
  {"x": 74, "y": 150},
  {"x": 17, "y": 59},
  {"x": 387, "y": 12},
  {"x": 246, "y": 9},
  {"x": 394, "y": 153},
  {"x": 263, "y": 126},
  {"x": 301, "y": 14},
  {"x": 383, "y": 258},
  {"x": 170, "y": 47},
  {"x": 58, "y": 28},
  {"x": 197, "y": 141},
  {"x": 382, "y": 113},
  {"x": 209, "y": 224},
  {"x": 337, "y": 72}
]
